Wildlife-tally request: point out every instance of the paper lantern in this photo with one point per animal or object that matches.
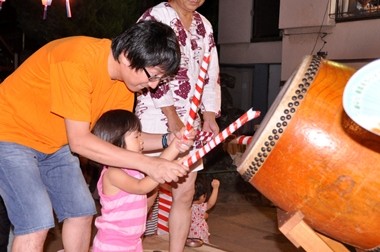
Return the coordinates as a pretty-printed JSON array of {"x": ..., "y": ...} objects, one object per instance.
[
  {"x": 45, "y": 3},
  {"x": 68, "y": 9},
  {"x": 1, "y": 4}
]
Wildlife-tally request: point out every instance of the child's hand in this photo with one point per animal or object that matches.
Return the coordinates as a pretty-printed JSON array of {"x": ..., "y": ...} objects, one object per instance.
[
  {"x": 215, "y": 183},
  {"x": 182, "y": 144}
]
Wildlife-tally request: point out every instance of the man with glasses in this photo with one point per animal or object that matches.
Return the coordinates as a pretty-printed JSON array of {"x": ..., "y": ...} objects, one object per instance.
[
  {"x": 47, "y": 109},
  {"x": 155, "y": 78}
]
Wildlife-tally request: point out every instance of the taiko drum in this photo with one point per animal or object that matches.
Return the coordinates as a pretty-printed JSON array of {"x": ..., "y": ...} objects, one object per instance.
[{"x": 309, "y": 156}]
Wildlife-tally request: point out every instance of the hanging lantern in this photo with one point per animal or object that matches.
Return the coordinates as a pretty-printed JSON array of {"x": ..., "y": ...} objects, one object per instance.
[
  {"x": 1, "y": 4},
  {"x": 68, "y": 10},
  {"x": 45, "y": 3}
]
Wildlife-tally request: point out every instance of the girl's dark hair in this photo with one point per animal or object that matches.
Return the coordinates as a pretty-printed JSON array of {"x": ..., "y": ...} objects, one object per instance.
[
  {"x": 149, "y": 44},
  {"x": 202, "y": 186},
  {"x": 113, "y": 125}
]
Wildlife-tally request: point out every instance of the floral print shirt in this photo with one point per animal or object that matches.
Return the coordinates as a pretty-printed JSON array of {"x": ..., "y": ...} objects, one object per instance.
[{"x": 194, "y": 43}]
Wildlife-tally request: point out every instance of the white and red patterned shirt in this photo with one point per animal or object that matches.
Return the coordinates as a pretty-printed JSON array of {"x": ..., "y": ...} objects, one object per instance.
[{"x": 194, "y": 43}]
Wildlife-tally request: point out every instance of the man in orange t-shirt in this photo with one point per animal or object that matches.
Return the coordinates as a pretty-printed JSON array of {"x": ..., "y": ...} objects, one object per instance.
[{"x": 47, "y": 109}]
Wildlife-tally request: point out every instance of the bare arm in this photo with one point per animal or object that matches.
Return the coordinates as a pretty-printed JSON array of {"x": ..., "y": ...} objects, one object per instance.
[
  {"x": 174, "y": 122},
  {"x": 209, "y": 123},
  {"x": 115, "y": 179},
  {"x": 211, "y": 97},
  {"x": 84, "y": 143},
  {"x": 152, "y": 142},
  {"x": 214, "y": 194},
  {"x": 171, "y": 152}
]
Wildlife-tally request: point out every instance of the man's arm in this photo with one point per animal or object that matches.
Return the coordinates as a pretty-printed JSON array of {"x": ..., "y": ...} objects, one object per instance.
[{"x": 84, "y": 143}]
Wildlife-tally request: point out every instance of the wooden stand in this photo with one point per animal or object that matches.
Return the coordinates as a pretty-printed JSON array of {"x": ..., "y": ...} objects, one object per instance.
[{"x": 302, "y": 235}]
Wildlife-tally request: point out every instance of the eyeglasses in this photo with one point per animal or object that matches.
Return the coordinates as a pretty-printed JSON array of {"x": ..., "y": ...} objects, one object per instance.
[{"x": 155, "y": 77}]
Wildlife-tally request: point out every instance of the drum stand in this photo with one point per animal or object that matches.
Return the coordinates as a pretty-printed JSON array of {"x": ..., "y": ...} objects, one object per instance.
[{"x": 302, "y": 235}]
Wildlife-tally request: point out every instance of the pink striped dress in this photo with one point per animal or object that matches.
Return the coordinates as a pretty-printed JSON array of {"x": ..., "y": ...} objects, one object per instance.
[{"x": 122, "y": 221}]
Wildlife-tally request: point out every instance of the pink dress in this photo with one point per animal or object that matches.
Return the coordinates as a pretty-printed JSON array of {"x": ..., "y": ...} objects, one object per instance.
[
  {"x": 179, "y": 92},
  {"x": 122, "y": 220},
  {"x": 199, "y": 226}
]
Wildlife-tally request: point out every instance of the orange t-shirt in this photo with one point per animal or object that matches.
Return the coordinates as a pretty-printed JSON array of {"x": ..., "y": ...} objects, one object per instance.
[{"x": 66, "y": 78}]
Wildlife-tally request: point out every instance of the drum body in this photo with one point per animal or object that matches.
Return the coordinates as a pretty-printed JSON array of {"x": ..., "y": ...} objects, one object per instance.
[{"x": 309, "y": 156}]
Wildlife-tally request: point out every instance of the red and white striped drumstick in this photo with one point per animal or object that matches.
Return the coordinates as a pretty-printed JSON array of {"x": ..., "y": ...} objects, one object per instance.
[
  {"x": 247, "y": 116},
  {"x": 242, "y": 140},
  {"x": 196, "y": 100},
  {"x": 203, "y": 136}
]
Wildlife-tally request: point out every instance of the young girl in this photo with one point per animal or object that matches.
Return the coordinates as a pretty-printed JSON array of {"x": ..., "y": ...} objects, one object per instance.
[
  {"x": 201, "y": 204},
  {"x": 123, "y": 191}
]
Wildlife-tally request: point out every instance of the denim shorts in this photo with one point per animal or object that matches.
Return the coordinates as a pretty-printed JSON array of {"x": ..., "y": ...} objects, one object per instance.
[{"x": 32, "y": 184}]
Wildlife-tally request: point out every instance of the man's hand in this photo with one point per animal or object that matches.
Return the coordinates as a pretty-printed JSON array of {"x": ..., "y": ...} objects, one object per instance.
[{"x": 162, "y": 170}]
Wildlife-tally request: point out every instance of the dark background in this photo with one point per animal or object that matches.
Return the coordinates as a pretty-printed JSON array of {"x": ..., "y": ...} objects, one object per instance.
[
  {"x": 97, "y": 18},
  {"x": 23, "y": 29}
]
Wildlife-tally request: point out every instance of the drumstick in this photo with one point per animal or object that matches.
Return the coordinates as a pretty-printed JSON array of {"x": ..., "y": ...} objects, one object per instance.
[
  {"x": 247, "y": 116},
  {"x": 242, "y": 140},
  {"x": 204, "y": 135},
  {"x": 196, "y": 100}
]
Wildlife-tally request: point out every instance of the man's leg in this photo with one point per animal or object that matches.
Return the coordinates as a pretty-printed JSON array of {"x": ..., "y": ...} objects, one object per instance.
[
  {"x": 71, "y": 199},
  {"x": 5, "y": 226},
  {"x": 76, "y": 234},
  {"x": 24, "y": 193},
  {"x": 30, "y": 242},
  {"x": 180, "y": 213}
]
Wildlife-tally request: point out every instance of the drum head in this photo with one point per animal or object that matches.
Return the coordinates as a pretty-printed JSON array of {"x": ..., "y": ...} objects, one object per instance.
[{"x": 361, "y": 97}]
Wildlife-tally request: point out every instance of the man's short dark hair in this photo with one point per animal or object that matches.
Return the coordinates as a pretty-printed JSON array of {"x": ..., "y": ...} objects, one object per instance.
[{"x": 148, "y": 44}]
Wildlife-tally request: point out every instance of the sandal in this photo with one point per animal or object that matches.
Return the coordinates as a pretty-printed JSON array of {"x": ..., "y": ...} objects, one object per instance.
[{"x": 194, "y": 242}]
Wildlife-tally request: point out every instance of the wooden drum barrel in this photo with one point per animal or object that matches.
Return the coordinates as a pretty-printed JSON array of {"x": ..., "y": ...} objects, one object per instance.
[{"x": 309, "y": 156}]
